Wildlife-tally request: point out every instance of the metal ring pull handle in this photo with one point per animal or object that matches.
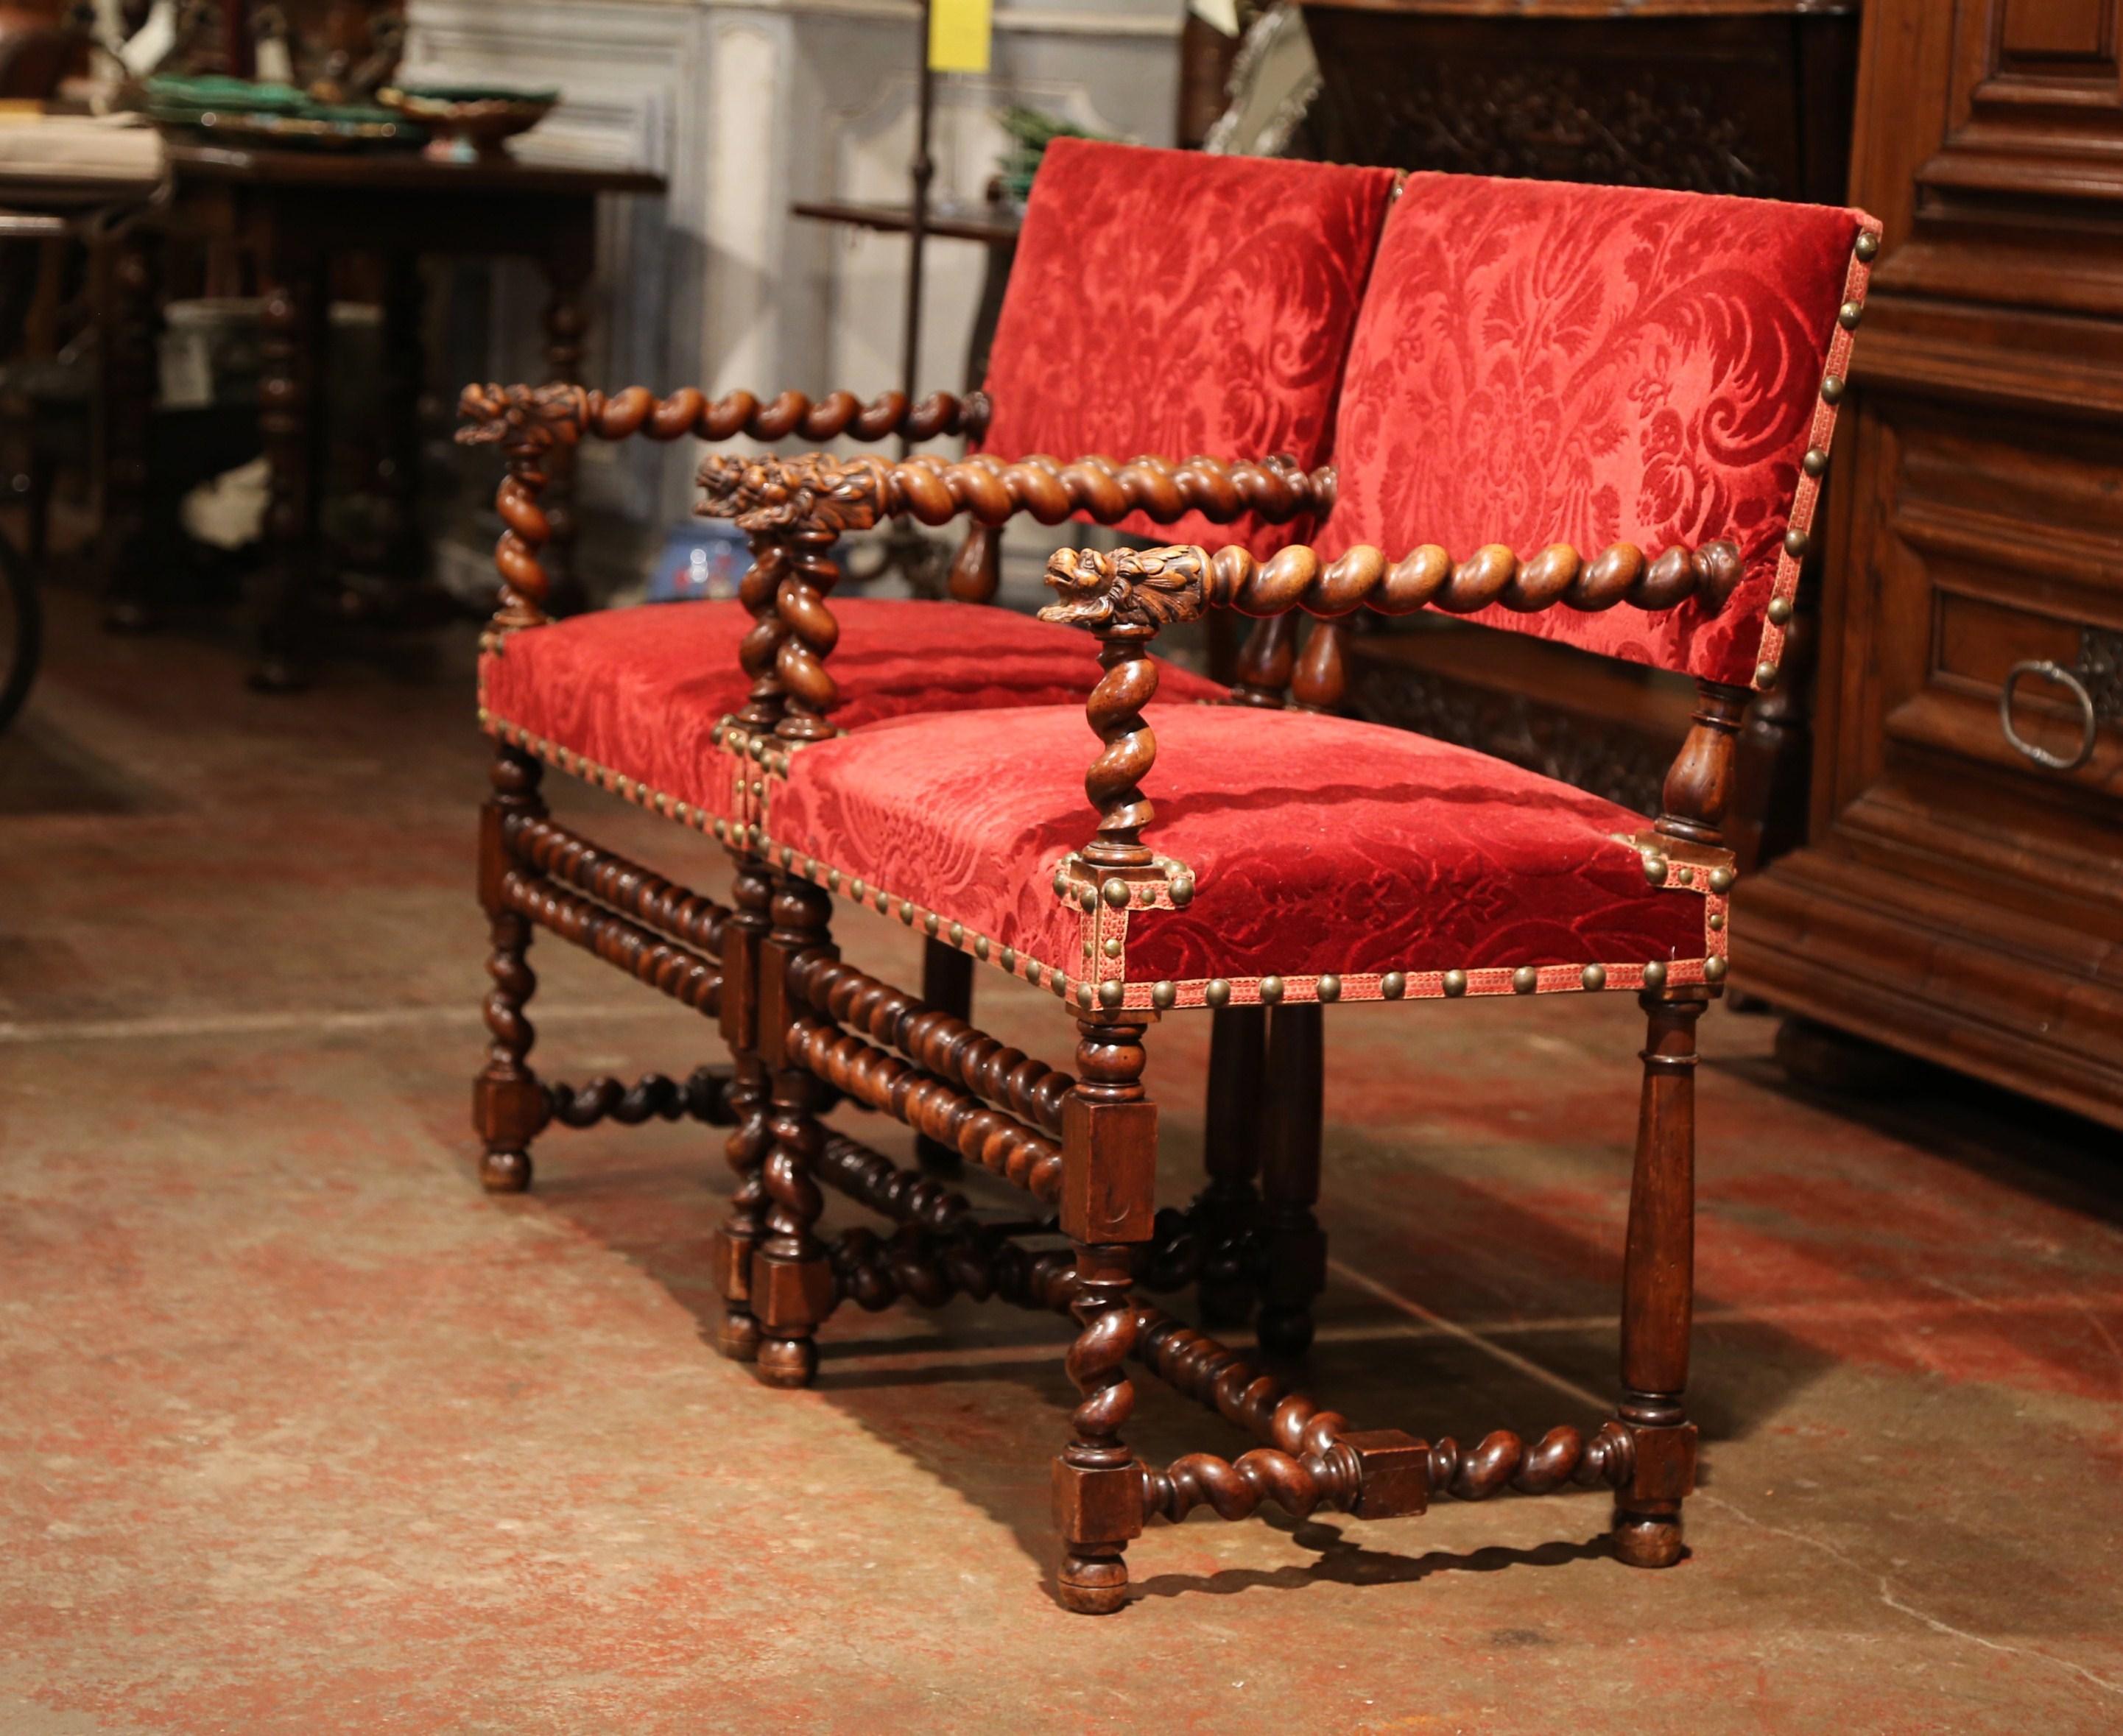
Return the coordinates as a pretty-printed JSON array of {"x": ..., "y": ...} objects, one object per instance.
[{"x": 2062, "y": 677}]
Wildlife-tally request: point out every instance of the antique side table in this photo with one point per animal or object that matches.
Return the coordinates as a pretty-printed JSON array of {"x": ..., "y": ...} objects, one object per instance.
[{"x": 292, "y": 212}]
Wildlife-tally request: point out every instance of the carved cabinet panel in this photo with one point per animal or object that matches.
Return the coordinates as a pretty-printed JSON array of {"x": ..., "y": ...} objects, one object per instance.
[{"x": 1960, "y": 895}]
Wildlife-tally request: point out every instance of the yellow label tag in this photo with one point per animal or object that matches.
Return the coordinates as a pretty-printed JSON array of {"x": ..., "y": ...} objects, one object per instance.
[{"x": 959, "y": 32}]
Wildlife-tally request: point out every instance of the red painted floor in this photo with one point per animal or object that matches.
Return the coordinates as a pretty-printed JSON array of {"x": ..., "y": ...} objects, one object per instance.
[{"x": 299, "y": 1432}]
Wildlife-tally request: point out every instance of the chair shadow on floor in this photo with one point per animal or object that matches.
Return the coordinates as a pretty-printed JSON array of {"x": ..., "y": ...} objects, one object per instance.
[{"x": 976, "y": 1395}]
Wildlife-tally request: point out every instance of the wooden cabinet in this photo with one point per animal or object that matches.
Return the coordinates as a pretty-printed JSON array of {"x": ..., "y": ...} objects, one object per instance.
[{"x": 1955, "y": 898}]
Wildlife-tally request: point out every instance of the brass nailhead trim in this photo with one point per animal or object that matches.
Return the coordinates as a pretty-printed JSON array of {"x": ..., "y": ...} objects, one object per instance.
[
  {"x": 1525, "y": 980},
  {"x": 1330, "y": 987},
  {"x": 1456, "y": 983},
  {"x": 1814, "y": 463},
  {"x": 1780, "y": 609},
  {"x": 1867, "y": 245},
  {"x": 930, "y": 924},
  {"x": 1714, "y": 969},
  {"x": 1113, "y": 947},
  {"x": 980, "y": 946},
  {"x": 1850, "y": 314},
  {"x": 1765, "y": 675},
  {"x": 1593, "y": 976},
  {"x": 1655, "y": 975},
  {"x": 1115, "y": 892},
  {"x": 1686, "y": 877},
  {"x": 1721, "y": 879},
  {"x": 957, "y": 933},
  {"x": 1393, "y": 985},
  {"x": 1218, "y": 994},
  {"x": 1162, "y": 995},
  {"x": 1831, "y": 388},
  {"x": 1654, "y": 867},
  {"x": 1795, "y": 543},
  {"x": 1183, "y": 891},
  {"x": 1109, "y": 994},
  {"x": 1717, "y": 920},
  {"x": 1271, "y": 989},
  {"x": 1009, "y": 958}
]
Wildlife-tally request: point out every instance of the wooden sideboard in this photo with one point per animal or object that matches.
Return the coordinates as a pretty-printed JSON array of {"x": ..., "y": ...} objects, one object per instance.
[{"x": 1955, "y": 899}]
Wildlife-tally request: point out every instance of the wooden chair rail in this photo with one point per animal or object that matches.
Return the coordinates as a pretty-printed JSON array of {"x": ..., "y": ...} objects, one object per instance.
[
  {"x": 1310, "y": 1457},
  {"x": 702, "y": 1096},
  {"x": 676, "y": 970},
  {"x": 536, "y": 418},
  {"x": 998, "y": 1142},
  {"x": 632, "y": 890},
  {"x": 938, "y": 1041}
]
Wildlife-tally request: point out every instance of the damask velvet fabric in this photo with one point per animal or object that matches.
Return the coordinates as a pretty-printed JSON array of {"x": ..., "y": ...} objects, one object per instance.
[
  {"x": 1537, "y": 362},
  {"x": 1317, "y": 845},
  {"x": 637, "y": 691},
  {"x": 1170, "y": 302}
]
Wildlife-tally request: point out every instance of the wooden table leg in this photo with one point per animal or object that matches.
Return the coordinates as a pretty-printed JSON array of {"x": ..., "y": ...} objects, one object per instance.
[
  {"x": 403, "y": 549},
  {"x": 130, "y": 291},
  {"x": 294, "y": 333}
]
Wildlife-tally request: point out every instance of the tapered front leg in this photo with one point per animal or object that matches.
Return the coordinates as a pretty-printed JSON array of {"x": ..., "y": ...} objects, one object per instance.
[
  {"x": 1227, "y": 1211},
  {"x": 1294, "y": 1248},
  {"x": 508, "y": 1104},
  {"x": 1109, "y": 1157},
  {"x": 1658, "y": 1285},
  {"x": 792, "y": 1282},
  {"x": 751, "y": 1137}
]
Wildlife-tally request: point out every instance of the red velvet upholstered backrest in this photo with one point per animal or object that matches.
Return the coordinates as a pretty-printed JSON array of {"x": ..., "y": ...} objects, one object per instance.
[
  {"x": 1169, "y": 302},
  {"x": 1539, "y": 362}
]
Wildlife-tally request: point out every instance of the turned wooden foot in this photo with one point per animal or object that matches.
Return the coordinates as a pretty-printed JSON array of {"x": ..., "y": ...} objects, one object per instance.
[
  {"x": 505, "y": 1172},
  {"x": 1647, "y": 1539},
  {"x": 786, "y": 1362},
  {"x": 1093, "y": 1584},
  {"x": 737, "y": 1336}
]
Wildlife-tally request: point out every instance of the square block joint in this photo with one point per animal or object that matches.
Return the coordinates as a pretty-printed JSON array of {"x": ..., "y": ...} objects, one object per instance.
[
  {"x": 1097, "y": 1504},
  {"x": 1109, "y": 1170},
  {"x": 1664, "y": 1463},
  {"x": 1395, "y": 1473}
]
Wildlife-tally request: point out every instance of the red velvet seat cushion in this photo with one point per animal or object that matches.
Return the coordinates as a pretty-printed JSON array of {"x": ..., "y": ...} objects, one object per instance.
[
  {"x": 634, "y": 692},
  {"x": 1170, "y": 302},
  {"x": 1538, "y": 362},
  {"x": 1318, "y": 845}
]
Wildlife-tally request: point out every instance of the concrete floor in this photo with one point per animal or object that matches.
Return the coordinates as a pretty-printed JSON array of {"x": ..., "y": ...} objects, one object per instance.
[{"x": 299, "y": 1432}]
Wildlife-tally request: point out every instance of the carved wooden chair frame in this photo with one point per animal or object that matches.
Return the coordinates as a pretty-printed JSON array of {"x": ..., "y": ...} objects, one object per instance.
[
  {"x": 792, "y": 510},
  {"x": 806, "y": 1030}
]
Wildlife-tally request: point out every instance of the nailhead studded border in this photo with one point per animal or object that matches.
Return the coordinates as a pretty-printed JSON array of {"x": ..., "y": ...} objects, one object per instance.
[{"x": 1805, "y": 496}]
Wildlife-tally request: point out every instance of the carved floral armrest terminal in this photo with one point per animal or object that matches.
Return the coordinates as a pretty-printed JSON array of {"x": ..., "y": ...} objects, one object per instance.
[{"x": 1126, "y": 596}]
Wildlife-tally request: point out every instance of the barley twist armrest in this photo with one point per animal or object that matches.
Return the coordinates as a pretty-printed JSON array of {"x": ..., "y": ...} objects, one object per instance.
[
  {"x": 1139, "y": 590},
  {"x": 1124, "y": 597},
  {"x": 773, "y": 492},
  {"x": 535, "y": 419}
]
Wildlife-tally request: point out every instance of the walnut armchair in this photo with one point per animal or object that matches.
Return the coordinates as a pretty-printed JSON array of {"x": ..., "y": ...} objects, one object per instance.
[
  {"x": 1554, "y": 381},
  {"x": 1161, "y": 302}
]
